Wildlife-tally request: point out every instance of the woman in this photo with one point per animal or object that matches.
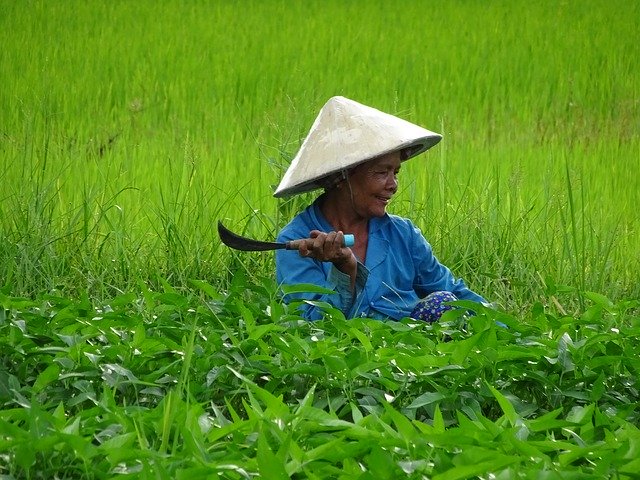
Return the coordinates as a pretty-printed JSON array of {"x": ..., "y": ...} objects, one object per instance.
[{"x": 355, "y": 153}]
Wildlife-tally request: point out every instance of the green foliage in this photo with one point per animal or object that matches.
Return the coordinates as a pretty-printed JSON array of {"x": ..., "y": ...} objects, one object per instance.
[{"x": 171, "y": 385}]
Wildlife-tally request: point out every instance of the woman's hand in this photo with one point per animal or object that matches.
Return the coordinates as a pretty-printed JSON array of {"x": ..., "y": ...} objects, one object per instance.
[{"x": 329, "y": 247}]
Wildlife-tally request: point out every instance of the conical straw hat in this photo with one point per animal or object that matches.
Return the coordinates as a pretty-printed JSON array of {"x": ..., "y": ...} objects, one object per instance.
[{"x": 345, "y": 134}]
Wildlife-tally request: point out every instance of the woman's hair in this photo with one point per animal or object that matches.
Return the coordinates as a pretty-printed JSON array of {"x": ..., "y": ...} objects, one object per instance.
[
  {"x": 331, "y": 180},
  {"x": 409, "y": 152}
]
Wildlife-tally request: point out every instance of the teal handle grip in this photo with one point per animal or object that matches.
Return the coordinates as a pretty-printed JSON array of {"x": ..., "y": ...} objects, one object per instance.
[{"x": 349, "y": 240}]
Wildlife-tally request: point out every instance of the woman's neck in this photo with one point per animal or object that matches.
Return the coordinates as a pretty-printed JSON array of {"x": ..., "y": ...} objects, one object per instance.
[{"x": 339, "y": 212}]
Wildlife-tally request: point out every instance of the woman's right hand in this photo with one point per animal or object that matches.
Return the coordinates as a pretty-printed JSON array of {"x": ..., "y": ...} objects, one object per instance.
[{"x": 329, "y": 247}]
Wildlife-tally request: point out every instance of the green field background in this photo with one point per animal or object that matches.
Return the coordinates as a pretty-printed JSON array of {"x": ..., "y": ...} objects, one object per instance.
[{"x": 128, "y": 129}]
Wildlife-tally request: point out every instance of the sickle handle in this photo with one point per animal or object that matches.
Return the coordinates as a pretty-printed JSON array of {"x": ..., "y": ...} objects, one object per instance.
[{"x": 349, "y": 241}]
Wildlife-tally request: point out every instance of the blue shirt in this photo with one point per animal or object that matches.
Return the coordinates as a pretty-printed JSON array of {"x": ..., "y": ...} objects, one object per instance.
[{"x": 400, "y": 269}]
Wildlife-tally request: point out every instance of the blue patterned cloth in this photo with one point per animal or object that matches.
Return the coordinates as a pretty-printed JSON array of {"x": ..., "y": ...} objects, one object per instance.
[{"x": 431, "y": 307}]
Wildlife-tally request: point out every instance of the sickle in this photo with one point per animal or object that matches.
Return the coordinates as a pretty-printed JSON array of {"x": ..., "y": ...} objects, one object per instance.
[{"x": 245, "y": 244}]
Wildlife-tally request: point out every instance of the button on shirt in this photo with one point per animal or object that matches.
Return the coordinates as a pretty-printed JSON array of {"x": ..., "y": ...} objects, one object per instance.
[{"x": 400, "y": 269}]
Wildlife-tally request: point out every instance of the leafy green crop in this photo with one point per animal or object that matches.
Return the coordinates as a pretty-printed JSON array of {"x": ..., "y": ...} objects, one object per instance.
[{"x": 172, "y": 385}]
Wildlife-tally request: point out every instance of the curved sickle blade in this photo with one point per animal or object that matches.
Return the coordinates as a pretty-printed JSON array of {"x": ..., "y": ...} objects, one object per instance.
[{"x": 245, "y": 244}]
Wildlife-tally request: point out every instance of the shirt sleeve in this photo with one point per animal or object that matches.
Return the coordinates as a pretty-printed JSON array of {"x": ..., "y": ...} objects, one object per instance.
[{"x": 432, "y": 276}]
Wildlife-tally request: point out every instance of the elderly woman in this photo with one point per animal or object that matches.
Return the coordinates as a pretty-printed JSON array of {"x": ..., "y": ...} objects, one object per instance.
[{"x": 354, "y": 153}]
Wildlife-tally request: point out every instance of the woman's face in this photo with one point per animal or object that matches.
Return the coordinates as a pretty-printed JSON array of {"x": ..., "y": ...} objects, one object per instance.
[{"x": 373, "y": 184}]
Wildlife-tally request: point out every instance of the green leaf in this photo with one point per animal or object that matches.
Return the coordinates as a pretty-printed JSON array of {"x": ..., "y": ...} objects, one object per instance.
[
  {"x": 547, "y": 422},
  {"x": 599, "y": 299},
  {"x": 327, "y": 309},
  {"x": 125, "y": 440},
  {"x": 402, "y": 423},
  {"x": 632, "y": 468},
  {"x": 505, "y": 405},
  {"x": 139, "y": 335},
  {"x": 122, "y": 300},
  {"x": 171, "y": 298},
  {"x": 269, "y": 464},
  {"x": 426, "y": 399},
  {"x": 381, "y": 464},
  {"x": 274, "y": 404},
  {"x": 259, "y": 331},
  {"x": 333, "y": 450},
  {"x": 206, "y": 288},
  {"x": 48, "y": 375},
  {"x": 564, "y": 353},
  {"x": 438, "y": 421},
  {"x": 25, "y": 455},
  {"x": 580, "y": 414},
  {"x": 364, "y": 340},
  {"x": 476, "y": 469}
]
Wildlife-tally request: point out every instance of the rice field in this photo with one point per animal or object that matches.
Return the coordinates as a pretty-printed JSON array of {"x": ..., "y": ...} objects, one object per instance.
[{"x": 134, "y": 344}]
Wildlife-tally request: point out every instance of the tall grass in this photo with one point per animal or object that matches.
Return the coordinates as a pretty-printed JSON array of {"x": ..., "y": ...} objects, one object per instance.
[{"x": 129, "y": 129}]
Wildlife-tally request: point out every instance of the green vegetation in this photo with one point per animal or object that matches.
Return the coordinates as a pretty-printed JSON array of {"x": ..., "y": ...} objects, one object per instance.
[
  {"x": 133, "y": 344},
  {"x": 171, "y": 386}
]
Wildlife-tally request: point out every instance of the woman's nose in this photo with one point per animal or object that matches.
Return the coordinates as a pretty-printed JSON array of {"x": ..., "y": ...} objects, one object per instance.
[{"x": 392, "y": 183}]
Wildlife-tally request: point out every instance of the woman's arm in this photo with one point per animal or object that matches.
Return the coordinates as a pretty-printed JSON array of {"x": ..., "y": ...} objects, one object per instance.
[
  {"x": 310, "y": 266},
  {"x": 433, "y": 276}
]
